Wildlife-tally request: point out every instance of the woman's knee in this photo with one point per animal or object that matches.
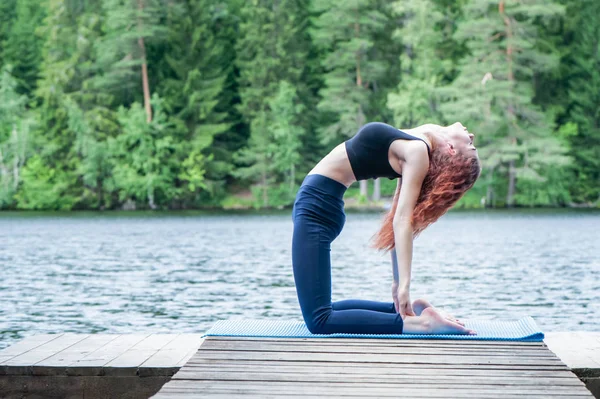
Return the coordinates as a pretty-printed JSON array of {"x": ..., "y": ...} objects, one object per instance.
[
  {"x": 314, "y": 327},
  {"x": 317, "y": 322}
]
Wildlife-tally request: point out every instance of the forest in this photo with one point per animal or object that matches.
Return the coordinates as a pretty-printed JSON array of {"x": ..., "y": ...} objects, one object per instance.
[{"x": 223, "y": 104}]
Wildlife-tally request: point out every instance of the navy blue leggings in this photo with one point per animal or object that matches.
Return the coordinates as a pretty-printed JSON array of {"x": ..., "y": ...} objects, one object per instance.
[{"x": 318, "y": 216}]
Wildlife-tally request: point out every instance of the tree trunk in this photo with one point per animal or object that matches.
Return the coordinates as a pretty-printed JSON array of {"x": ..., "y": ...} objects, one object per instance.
[
  {"x": 264, "y": 188},
  {"x": 489, "y": 195},
  {"x": 151, "y": 203},
  {"x": 364, "y": 188},
  {"x": 145, "y": 84},
  {"x": 16, "y": 158},
  {"x": 511, "y": 184},
  {"x": 100, "y": 193},
  {"x": 3, "y": 171},
  {"x": 377, "y": 190},
  {"x": 363, "y": 183},
  {"x": 510, "y": 110},
  {"x": 292, "y": 179}
]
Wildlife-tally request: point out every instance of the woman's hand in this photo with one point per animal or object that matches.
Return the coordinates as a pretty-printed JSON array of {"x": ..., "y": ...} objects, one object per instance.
[{"x": 402, "y": 302}]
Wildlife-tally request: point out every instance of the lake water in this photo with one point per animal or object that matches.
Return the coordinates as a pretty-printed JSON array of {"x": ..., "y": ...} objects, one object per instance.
[{"x": 179, "y": 273}]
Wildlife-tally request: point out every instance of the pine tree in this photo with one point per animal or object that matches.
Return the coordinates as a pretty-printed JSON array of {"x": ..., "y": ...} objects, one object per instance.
[
  {"x": 74, "y": 118},
  {"x": 198, "y": 64},
  {"x": 273, "y": 47},
  {"x": 15, "y": 126},
  {"x": 492, "y": 95},
  {"x": 582, "y": 74},
  {"x": 144, "y": 156},
  {"x": 122, "y": 56},
  {"x": 22, "y": 47},
  {"x": 414, "y": 101},
  {"x": 287, "y": 133},
  {"x": 346, "y": 31},
  {"x": 7, "y": 17}
]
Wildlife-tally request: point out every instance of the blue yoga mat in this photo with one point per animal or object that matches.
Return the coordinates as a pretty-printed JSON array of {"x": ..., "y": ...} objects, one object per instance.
[{"x": 524, "y": 329}]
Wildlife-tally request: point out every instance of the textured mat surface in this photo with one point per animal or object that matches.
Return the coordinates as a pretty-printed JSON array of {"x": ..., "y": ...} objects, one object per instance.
[{"x": 524, "y": 329}]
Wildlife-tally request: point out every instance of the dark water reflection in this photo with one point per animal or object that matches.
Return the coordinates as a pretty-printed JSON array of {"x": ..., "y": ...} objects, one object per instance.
[{"x": 182, "y": 272}]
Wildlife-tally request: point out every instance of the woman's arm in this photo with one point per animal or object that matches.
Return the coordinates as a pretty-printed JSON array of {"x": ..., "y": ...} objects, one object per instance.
[{"x": 413, "y": 173}]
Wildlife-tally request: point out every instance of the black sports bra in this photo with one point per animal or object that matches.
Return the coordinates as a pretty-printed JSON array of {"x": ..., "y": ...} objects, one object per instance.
[{"x": 368, "y": 150}]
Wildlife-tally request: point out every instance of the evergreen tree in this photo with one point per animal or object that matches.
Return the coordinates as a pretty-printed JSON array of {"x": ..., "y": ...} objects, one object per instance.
[
  {"x": 273, "y": 47},
  {"x": 582, "y": 74},
  {"x": 346, "y": 31},
  {"x": 122, "y": 57},
  {"x": 144, "y": 156},
  {"x": 199, "y": 64},
  {"x": 424, "y": 66},
  {"x": 492, "y": 95},
  {"x": 75, "y": 120},
  {"x": 7, "y": 16},
  {"x": 250, "y": 94},
  {"x": 277, "y": 150},
  {"x": 53, "y": 168},
  {"x": 22, "y": 47},
  {"x": 15, "y": 127}
]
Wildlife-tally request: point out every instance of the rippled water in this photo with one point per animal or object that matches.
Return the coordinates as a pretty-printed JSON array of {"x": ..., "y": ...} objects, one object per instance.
[{"x": 89, "y": 273}]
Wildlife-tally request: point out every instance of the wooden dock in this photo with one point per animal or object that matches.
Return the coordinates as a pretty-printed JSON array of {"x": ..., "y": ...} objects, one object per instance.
[
  {"x": 137, "y": 366},
  {"x": 93, "y": 365},
  {"x": 227, "y": 367}
]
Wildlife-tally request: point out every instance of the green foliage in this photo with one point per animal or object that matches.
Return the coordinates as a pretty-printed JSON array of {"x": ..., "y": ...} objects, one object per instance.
[
  {"x": 193, "y": 171},
  {"x": 345, "y": 32},
  {"x": 22, "y": 47},
  {"x": 44, "y": 187},
  {"x": 428, "y": 58},
  {"x": 128, "y": 27},
  {"x": 8, "y": 11},
  {"x": 15, "y": 128},
  {"x": 414, "y": 103},
  {"x": 272, "y": 60},
  {"x": 248, "y": 95},
  {"x": 582, "y": 74},
  {"x": 493, "y": 91},
  {"x": 144, "y": 162}
]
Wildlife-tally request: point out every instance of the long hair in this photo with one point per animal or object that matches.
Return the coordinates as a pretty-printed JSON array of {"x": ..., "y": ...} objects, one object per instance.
[{"x": 448, "y": 178}]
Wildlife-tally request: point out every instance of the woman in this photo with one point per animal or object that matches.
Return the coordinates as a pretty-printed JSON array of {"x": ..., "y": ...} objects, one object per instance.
[{"x": 434, "y": 166}]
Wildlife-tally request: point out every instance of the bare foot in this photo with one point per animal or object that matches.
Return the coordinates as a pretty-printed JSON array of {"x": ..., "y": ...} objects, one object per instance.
[
  {"x": 421, "y": 304},
  {"x": 432, "y": 322}
]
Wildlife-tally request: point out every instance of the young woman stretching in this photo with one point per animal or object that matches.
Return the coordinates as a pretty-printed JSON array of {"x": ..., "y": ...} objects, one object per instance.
[{"x": 435, "y": 166}]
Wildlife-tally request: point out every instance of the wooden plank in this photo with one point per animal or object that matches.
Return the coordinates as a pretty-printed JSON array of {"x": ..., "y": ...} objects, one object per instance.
[
  {"x": 274, "y": 347},
  {"x": 366, "y": 389},
  {"x": 175, "y": 351},
  {"x": 187, "y": 357},
  {"x": 380, "y": 358},
  {"x": 368, "y": 369},
  {"x": 579, "y": 350},
  {"x": 373, "y": 368},
  {"x": 94, "y": 362},
  {"x": 142, "y": 351},
  {"x": 434, "y": 368},
  {"x": 45, "y": 350},
  {"x": 370, "y": 390},
  {"x": 76, "y": 352},
  {"x": 251, "y": 375},
  {"x": 283, "y": 345},
  {"x": 26, "y": 345},
  {"x": 381, "y": 343},
  {"x": 170, "y": 358},
  {"x": 216, "y": 395}
]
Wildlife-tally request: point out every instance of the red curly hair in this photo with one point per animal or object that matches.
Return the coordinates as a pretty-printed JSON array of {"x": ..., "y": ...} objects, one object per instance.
[{"x": 448, "y": 178}]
